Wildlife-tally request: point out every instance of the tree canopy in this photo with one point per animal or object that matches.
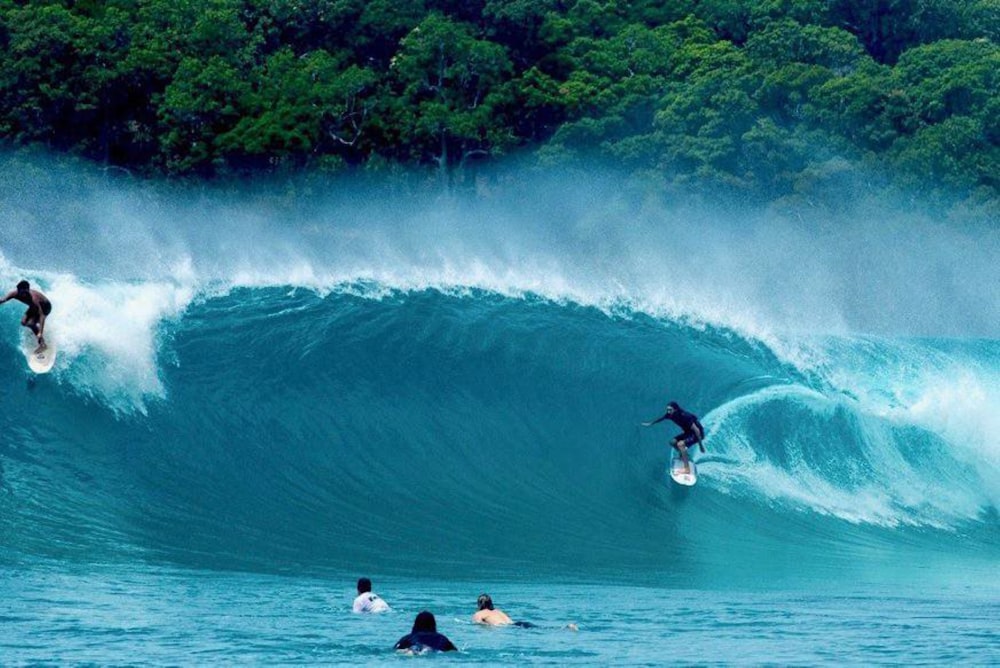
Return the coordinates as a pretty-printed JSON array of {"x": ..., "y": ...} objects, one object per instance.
[{"x": 753, "y": 98}]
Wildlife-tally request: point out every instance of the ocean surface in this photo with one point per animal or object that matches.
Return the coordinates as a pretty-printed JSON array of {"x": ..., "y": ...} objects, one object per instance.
[{"x": 250, "y": 411}]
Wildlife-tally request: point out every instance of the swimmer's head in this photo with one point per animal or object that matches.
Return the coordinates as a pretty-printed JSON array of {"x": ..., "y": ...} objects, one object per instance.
[
  {"x": 425, "y": 622},
  {"x": 23, "y": 286},
  {"x": 485, "y": 602},
  {"x": 364, "y": 585},
  {"x": 672, "y": 407}
]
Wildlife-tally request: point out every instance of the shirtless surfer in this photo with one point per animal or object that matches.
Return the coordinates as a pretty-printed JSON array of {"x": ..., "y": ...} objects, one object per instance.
[
  {"x": 490, "y": 616},
  {"x": 39, "y": 307}
]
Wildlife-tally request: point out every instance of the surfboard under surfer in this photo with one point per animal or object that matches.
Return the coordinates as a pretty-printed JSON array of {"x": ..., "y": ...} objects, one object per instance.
[
  {"x": 693, "y": 431},
  {"x": 39, "y": 307}
]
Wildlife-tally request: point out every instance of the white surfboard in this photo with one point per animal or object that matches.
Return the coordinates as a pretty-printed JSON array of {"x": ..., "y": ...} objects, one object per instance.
[
  {"x": 677, "y": 471},
  {"x": 41, "y": 362}
]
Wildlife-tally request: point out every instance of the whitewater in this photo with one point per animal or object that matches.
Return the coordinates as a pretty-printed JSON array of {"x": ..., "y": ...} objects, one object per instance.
[{"x": 259, "y": 399}]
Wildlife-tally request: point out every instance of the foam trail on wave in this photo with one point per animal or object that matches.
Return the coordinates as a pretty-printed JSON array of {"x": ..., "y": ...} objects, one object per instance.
[
  {"x": 950, "y": 390},
  {"x": 829, "y": 454}
]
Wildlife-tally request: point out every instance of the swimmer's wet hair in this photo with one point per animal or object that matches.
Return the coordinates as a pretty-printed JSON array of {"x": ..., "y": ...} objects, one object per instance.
[
  {"x": 23, "y": 285},
  {"x": 485, "y": 602},
  {"x": 425, "y": 622}
]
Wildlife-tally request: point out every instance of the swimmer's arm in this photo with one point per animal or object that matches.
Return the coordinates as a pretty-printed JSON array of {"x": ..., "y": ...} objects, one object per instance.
[{"x": 10, "y": 295}]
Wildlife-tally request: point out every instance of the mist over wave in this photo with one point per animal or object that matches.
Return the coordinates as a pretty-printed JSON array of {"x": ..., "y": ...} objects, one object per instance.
[
  {"x": 457, "y": 385},
  {"x": 871, "y": 268}
]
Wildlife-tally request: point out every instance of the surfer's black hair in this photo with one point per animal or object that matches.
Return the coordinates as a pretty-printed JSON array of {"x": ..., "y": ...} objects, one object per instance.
[
  {"x": 425, "y": 622},
  {"x": 485, "y": 602},
  {"x": 364, "y": 585},
  {"x": 23, "y": 286},
  {"x": 674, "y": 405}
]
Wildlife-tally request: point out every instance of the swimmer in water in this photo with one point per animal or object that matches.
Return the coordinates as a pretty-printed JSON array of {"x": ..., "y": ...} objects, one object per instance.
[
  {"x": 366, "y": 601},
  {"x": 424, "y": 637},
  {"x": 490, "y": 616}
]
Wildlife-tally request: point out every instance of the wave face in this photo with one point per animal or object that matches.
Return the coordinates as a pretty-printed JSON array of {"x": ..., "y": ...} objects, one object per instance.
[
  {"x": 428, "y": 396},
  {"x": 463, "y": 431}
]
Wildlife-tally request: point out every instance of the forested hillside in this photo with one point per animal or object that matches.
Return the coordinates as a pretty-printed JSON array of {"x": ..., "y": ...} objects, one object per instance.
[{"x": 763, "y": 99}]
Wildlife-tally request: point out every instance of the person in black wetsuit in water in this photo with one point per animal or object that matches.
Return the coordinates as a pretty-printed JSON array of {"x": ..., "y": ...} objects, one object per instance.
[
  {"x": 424, "y": 636},
  {"x": 693, "y": 431}
]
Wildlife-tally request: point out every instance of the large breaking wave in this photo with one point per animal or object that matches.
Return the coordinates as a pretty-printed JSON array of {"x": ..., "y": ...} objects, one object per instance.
[{"x": 445, "y": 399}]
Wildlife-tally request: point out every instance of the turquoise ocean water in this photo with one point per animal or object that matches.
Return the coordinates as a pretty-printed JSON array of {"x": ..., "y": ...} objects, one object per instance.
[{"x": 242, "y": 423}]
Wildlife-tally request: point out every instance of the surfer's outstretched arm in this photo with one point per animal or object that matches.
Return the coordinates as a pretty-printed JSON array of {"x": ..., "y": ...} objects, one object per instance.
[
  {"x": 652, "y": 422},
  {"x": 10, "y": 295}
]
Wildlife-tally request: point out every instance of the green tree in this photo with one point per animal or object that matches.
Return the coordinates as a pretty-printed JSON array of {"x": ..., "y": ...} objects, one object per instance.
[
  {"x": 517, "y": 24},
  {"x": 887, "y": 28},
  {"x": 704, "y": 113},
  {"x": 202, "y": 102},
  {"x": 382, "y": 24},
  {"x": 329, "y": 25},
  {"x": 158, "y": 37},
  {"x": 450, "y": 94},
  {"x": 731, "y": 20},
  {"x": 299, "y": 108},
  {"x": 866, "y": 106},
  {"x": 785, "y": 41},
  {"x": 538, "y": 103},
  {"x": 804, "y": 12},
  {"x": 955, "y": 155},
  {"x": 981, "y": 18},
  {"x": 797, "y": 59},
  {"x": 42, "y": 78},
  {"x": 611, "y": 94},
  {"x": 949, "y": 78}
]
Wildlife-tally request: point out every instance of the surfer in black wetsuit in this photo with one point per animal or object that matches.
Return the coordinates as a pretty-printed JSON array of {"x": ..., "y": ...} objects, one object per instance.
[
  {"x": 39, "y": 307},
  {"x": 424, "y": 636},
  {"x": 693, "y": 431}
]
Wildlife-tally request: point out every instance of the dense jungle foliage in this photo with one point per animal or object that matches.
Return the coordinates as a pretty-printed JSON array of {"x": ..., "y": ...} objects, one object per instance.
[{"x": 762, "y": 99}]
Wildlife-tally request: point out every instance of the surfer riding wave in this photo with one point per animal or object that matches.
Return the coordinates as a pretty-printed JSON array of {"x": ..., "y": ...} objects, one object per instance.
[
  {"x": 693, "y": 431},
  {"x": 39, "y": 307}
]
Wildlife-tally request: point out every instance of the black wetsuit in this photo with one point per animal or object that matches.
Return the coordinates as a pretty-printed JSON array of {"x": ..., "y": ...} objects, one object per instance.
[
  {"x": 420, "y": 640},
  {"x": 687, "y": 422}
]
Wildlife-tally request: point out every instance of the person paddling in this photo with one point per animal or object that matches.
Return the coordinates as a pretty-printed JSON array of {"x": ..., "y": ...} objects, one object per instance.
[
  {"x": 491, "y": 616},
  {"x": 425, "y": 637},
  {"x": 366, "y": 601},
  {"x": 39, "y": 307},
  {"x": 693, "y": 431}
]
